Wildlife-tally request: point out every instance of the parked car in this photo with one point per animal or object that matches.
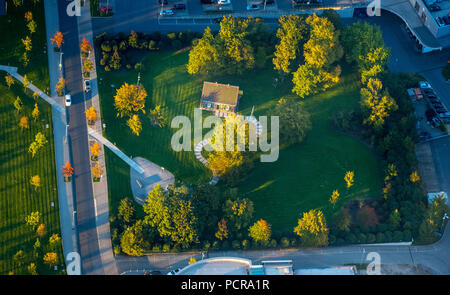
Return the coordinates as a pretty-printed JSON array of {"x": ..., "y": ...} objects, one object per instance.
[
  {"x": 446, "y": 20},
  {"x": 435, "y": 122},
  {"x": 223, "y": 2},
  {"x": 446, "y": 120},
  {"x": 180, "y": 6},
  {"x": 441, "y": 110},
  {"x": 165, "y": 12},
  {"x": 434, "y": 7},
  {"x": 424, "y": 85},
  {"x": 253, "y": 7},
  {"x": 160, "y": 2},
  {"x": 270, "y": 2},
  {"x": 440, "y": 21},
  {"x": 87, "y": 85},
  {"x": 68, "y": 100},
  {"x": 153, "y": 273},
  {"x": 445, "y": 115},
  {"x": 206, "y": 1},
  {"x": 173, "y": 272}
]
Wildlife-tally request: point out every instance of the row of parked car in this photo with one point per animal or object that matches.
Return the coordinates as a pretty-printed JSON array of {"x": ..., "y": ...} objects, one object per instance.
[
  {"x": 440, "y": 110},
  {"x": 170, "y": 11}
]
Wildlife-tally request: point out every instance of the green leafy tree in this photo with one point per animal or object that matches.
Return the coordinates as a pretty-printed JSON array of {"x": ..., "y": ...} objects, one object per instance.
[
  {"x": 158, "y": 211},
  {"x": 395, "y": 218},
  {"x": 342, "y": 219},
  {"x": 18, "y": 104},
  {"x": 204, "y": 55},
  {"x": 184, "y": 223},
  {"x": 260, "y": 231},
  {"x": 312, "y": 229},
  {"x": 32, "y": 269},
  {"x": 222, "y": 232},
  {"x": 133, "y": 242},
  {"x": 33, "y": 219},
  {"x": 291, "y": 31},
  {"x": 294, "y": 120},
  {"x": 239, "y": 213},
  {"x": 19, "y": 258},
  {"x": 9, "y": 80},
  {"x": 127, "y": 211}
]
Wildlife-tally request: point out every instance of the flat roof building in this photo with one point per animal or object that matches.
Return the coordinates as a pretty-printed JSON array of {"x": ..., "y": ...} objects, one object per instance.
[{"x": 222, "y": 99}]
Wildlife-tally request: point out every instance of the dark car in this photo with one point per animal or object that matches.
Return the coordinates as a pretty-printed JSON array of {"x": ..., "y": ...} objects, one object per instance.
[
  {"x": 160, "y": 2},
  {"x": 206, "y": 1},
  {"x": 434, "y": 7},
  {"x": 270, "y": 1},
  {"x": 180, "y": 6}
]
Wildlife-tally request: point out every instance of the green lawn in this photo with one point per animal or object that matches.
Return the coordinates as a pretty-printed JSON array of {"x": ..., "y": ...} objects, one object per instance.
[
  {"x": 303, "y": 177},
  {"x": 17, "y": 198}
]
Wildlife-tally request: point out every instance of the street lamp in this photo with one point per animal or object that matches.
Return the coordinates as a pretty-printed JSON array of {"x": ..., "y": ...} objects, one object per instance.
[{"x": 443, "y": 220}]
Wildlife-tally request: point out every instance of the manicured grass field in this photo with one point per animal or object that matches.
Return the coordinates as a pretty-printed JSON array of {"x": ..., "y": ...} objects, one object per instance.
[
  {"x": 17, "y": 197},
  {"x": 304, "y": 176}
]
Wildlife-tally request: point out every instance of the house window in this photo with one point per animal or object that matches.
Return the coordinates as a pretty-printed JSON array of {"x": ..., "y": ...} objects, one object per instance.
[{"x": 217, "y": 106}]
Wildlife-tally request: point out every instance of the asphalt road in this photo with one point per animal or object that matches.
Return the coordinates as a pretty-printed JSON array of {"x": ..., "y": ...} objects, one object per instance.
[{"x": 79, "y": 144}]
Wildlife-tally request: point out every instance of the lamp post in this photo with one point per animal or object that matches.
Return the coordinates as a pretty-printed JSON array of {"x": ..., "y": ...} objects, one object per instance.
[
  {"x": 60, "y": 60},
  {"x": 443, "y": 220}
]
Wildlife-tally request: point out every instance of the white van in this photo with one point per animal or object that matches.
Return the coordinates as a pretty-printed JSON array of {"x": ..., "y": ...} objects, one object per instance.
[{"x": 68, "y": 100}]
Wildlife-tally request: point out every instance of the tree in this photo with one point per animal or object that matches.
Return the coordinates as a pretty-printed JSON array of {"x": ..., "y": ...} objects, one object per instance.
[
  {"x": 349, "y": 178},
  {"x": 28, "y": 16},
  {"x": 97, "y": 171},
  {"x": 373, "y": 63},
  {"x": 157, "y": 118},
  {"x": 35, "y": 113},
  {"x": 376, "y": 103},
  {"x": 37, "y": 144},
  {"x": 311, "y": 80},
  {"x": 222, "y": 232},
  {"x": 91, "y": 115},
  {"x": 32, "y": 269},
  {"x": 132, "y": 241},
  {"x": 87, "y": 65},
  {"x": 67, "y": 170},
  {"x": 32, "y": 26},
  {"x": 9, "y": 80},
  {"x": 312, "y": 229},
  {"x": 33, "y": 219},
  {"x": 294, "y": 120},
  {"x": 395, "y": 218},
  {"x": 41, "y": 230},
  {"x": 17, "y": 3},
  {"x": 35, "y": 181},
  {"x": 333, "y": 17},
  {"x": 291, "y": 31},
  {"x": 204, "y": 55},
  {"x": 414, "y": 177},
  {"x": 184, "y": 223},
  {"x": 85, "y": 46},
  {"x": 18, "y": 104},
  {"x": 359, "y": 38},
  {"x": 342, "y": 219},
  {"x": 334, "y": 197},
  {"x": 23, "y": 123},
  {"x": 95, "y": 151},
  {"x": 51, "y": 259},
  {"x": 35, "y": 95},
  {"x": 60, "y": 86},
  {"x": 192, "y": 260},
  {"x": 366, "y": 217},
  {"x": 19, "y": 258},
  {"x": 129, "y": 98},
  {"x": 260, "y": 231},
  {"x": 135, "y": 124},
  {"x": 26, "y": 83},
  {"x": 158, "y": 211},
  {"x": 27, "y": 43},
  {"x": 238, "y": 213},
  {"x": 54, "y": 242},
  {"x": 133, "y": 39},
  {"x": 127, "y": 211},
  {"x": 58, "y": 39}
]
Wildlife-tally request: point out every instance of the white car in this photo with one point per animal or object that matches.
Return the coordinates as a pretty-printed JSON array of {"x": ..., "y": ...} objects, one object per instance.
[
  {"x": 223, "y": 2},
  {"x": 87, "y": 85},
  {"x": 424, "y": 85},
  {"x": 68, "y": 100},
  {"x": 173, "y": 272},
  {"x": 165, "y": 12}
]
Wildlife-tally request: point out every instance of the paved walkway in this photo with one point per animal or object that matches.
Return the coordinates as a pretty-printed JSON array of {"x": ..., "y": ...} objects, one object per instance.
[
  {"x": 95, "y": 134},
  {"x": 143, "y": 183}
]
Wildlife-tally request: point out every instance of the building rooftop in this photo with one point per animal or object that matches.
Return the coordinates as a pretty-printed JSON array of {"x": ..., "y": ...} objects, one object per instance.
[
  {"x": 343, "y": 270},
  {"x": 218, "y": 266},
  {"x": 220, "y": 93}
]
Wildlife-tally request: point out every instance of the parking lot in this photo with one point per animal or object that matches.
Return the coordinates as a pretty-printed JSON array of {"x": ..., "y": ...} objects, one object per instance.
[{"x": 433, "y": 118}]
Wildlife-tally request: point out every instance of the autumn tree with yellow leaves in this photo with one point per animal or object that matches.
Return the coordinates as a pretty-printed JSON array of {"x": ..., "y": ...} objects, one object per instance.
[
  {"x": 135, "y": 124},
  {"x": 334, "y": 197},
  {"x": 129, "y": 99},
  {"x": 24, "y": 124},
  {"x": 312, "y": 229},
  {"x": 349, "y": 178},
  {"x": 35, "y": 181},
  {"x": 95, "y": 151},
  {"x": 97, "y": 171},
  {"x": 260, "y": 231},
  {"x": 91, "y": 115},
  {"x": 58, "y": 39}
]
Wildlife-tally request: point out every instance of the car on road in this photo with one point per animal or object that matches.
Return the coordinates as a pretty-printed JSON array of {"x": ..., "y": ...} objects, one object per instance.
[
  {"x": 180, "y": 6},
  {"x": 206, "y": 1},
  {"x": 173, "y": 272},
  {"x": 434, "y": 7},
  {"x": 223, "y": 2},
  {"x": 68, "y": 100},
  {"x": 165, "y": 12},
  {"x": 253, "y": 7},
  {"x": 87, "y": 85},
  {"x": 160, "y": 2},
  {"x": 106, "y": 8},
  {"x": 270, "y": 2}
]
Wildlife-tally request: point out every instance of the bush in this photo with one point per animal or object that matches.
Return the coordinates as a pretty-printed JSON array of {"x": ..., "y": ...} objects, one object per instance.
[
  {"x": 106, "y": 46},
  {"x": 362, "y": 238},
  {"x": 206, "y": 245},
  {"x": 407, "y": 235},
  {"x": 273, "y": 243},
  {"x": 166, "y": 248},
  {"x": 351, "y": 238},
  {"x": 226, "y": 245},
  {"x": 172, "y": 36},
  {"x": 152, "y": 45},
  {"x": 332, "y": 240},
  {"x": 371, "y": 238},
  {"x": 388, "y": 236},
  {"x": 176, "y": 44},
  {"x": 216, "y": 245},
  {"x": 398, "y": 236},
  {"x": 380, "y": 238},
  {"x": 156, "y": 248},
  {"x": 284, "y": 243},
  {"x": 293, "y": 242},
  {"x": 245, "y": 244},
  {"x": 107, "y": 69},
  {"x": 117, "y": 250},
  {"x": 235, "y": 244}
]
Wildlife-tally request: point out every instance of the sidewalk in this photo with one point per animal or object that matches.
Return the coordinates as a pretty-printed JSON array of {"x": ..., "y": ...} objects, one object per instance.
[
  {"x": 65, "y": 190},
  {"x": 100, "y": 189}
]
